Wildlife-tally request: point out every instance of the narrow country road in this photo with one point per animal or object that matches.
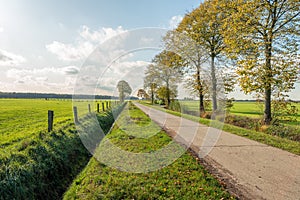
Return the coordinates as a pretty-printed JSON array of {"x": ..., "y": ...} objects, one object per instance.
[{"x": 250, "y": 169}]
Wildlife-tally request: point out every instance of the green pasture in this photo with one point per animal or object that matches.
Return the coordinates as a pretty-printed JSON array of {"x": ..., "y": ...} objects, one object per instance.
[
  {"x": 35, "y": 163},
  {"x": 21, "y": 118},
  {"x": 248, "y": 109}
]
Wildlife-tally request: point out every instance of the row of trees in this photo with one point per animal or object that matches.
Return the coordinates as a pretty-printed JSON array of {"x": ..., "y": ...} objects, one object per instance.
[
  {"x": 257, "y": 39},
  {"x": 163, "y": 75}
]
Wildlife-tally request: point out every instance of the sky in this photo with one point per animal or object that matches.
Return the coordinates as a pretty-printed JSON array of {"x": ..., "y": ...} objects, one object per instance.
[{"x": 45, "y": 45}]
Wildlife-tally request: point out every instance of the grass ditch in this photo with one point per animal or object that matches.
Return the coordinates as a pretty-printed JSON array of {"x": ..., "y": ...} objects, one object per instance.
[
  {"x": 44, "y": 165},
  {"x": 272, "y": 140},
  {"x": 183, "y": 179}
]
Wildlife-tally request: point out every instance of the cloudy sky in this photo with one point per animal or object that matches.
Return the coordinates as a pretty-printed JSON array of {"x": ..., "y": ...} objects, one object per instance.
[{"x": 45, "y": 44}]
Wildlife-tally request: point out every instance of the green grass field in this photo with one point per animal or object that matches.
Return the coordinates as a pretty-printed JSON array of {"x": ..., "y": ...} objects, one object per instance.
[
  {"x": 248, "y": 109},
  {"x": 35, "y": 163},
  {"x": 22, "y": 118}
]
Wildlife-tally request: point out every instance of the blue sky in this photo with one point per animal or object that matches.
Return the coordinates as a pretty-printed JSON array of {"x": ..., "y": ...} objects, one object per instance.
[{"x": 43, "y": 44}]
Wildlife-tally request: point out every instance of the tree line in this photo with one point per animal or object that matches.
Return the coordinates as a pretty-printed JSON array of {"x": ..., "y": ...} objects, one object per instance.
[
  {"x": 17, "y": 95},
  {"x": 253, "y": 43}
]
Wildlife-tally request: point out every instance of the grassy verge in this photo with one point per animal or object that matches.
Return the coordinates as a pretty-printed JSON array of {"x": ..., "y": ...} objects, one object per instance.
[
  {"x": 183, "y": 179},
  {"x": 275, "y": 141},
  {"x": 43, "y": 165}
]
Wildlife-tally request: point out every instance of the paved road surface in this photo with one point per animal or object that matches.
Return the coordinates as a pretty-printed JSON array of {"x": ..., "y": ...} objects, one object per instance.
[{"x": 251, "y": 170}]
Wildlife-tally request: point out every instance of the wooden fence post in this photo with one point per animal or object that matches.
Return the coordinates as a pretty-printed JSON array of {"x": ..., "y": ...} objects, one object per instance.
[
  {"x": 103, "y": 109},
  {"x": 98, "y": 108},
  {"x": 75, "y": 114},
  {"x": 50, "y": 120},
  {"x": 107, "y": 105},
  {"x": 89, "y": 107}
]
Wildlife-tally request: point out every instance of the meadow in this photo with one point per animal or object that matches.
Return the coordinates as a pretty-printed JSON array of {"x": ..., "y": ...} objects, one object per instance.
[
  {"x": 247, "y": 109},
  {"x": 22, "y": 118},
  {"x": 35, "y": 163}
]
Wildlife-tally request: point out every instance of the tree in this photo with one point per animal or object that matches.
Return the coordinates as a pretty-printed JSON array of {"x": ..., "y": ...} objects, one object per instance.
[
  {"x": 124, "y": 90},
  {"x": 150, "y": 81},
  {"x": 263, "y": 36},
  {"x": 204, "y": 26},
  {"x": 194, "y": 57},
  {"x": 163, "y": 92},
  {"x": 167, "y": 71},
  {"x": 142, "y": 94}
]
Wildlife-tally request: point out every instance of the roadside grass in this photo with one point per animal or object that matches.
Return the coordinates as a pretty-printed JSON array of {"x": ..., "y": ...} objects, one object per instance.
[
  {"x": 183, "y": 179},
  {"x": 275, "y": 141}
]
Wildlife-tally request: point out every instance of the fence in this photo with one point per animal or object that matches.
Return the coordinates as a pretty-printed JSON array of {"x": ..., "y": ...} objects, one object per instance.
[{"x": 105, "y": 106}]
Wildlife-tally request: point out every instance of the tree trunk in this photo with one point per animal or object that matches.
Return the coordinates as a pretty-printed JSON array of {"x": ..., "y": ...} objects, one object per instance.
[
  {"x": 201, "y": 106},
  {"x": 214, "y": 83},
  {"x": 268, "y": 86},
  {"x": 201, "y": 95},
  {"x": 267, "y": 112},
  {"x": 122, "y": 97},
  {"x": 152, "y": 96},
  {"x": 168, "y": 95}
]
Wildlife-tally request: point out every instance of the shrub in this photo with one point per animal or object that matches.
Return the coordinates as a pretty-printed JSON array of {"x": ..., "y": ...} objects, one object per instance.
[
  {"x": 244, "y": 122},
  {"x": 178, "y": 107},
  {"x": 175, "y": 106},
  {"x": 283, "y": 131}
]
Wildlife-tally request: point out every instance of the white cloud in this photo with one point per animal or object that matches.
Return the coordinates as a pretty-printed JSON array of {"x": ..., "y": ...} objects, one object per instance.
[
  {"x": 71, "y": 70},
  {"x": 43, "y": 79},
  {"x": 101, "y": 35},
  {"x": 174, "y": 21},
  {"x": 1, "y": 29},
  {"x": 70, "y": 52},
  {"x": 32, "y": 75},
  {"x": 131, "y": 71},
  {"x": 85, "y": 44},
  {"x": 92, "y": 79},
  {"x": 41, "y": 72},
  {"x": 10, "y": 59}
]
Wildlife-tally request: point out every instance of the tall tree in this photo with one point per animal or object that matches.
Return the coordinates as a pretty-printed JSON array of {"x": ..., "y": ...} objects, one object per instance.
[
  {"x": 263, "y": 35},
  {"x": 165, "y": 71},
  {"x": 168, "y": 70},
  {"x": 124, "y": 90},
  {"x": 204, "y": 26},
  {"x": 150, "y": 81},
  {"x": 194, "y": 56}
]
